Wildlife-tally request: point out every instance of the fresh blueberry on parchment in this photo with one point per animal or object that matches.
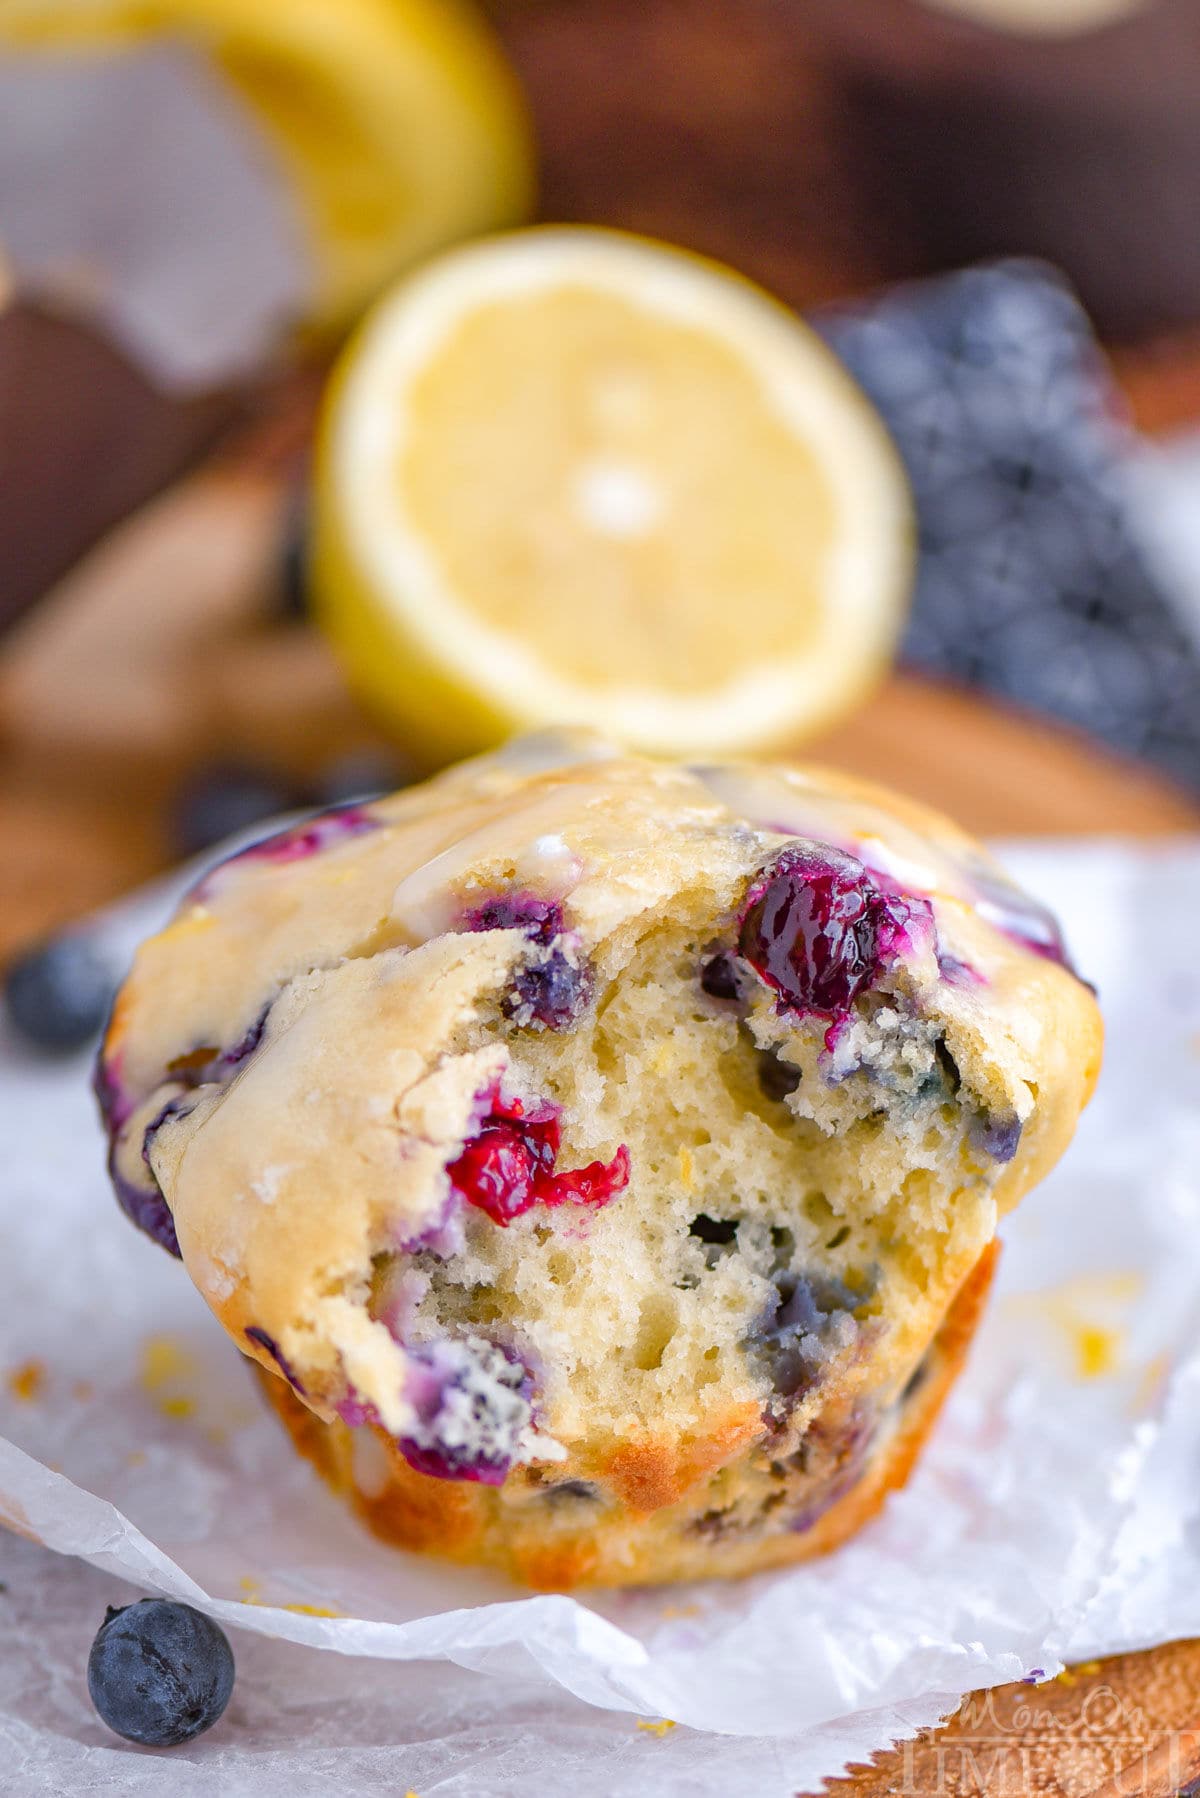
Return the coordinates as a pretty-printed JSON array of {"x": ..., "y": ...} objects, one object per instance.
[{"x": 159, "y": 1672}]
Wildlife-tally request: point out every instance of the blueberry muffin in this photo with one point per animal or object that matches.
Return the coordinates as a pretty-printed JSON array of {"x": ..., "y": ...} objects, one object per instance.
[{"x": 601, "y": 1158}]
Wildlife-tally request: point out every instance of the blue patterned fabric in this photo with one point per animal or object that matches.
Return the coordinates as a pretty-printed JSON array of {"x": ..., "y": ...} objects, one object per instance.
[{"x": 1030, "y": 581}]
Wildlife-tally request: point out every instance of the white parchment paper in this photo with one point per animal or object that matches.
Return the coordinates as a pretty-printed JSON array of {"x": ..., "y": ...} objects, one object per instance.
[{"x": 1053, "y": 1516}]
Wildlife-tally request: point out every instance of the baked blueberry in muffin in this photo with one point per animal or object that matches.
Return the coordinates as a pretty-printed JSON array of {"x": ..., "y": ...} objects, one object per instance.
[{"x": 602, "y": 1158}]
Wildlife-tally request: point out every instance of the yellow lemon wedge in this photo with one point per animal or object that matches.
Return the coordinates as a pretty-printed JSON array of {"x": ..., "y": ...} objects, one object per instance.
[
  {"x": 397, "y": 123},
  {"x": 572, "y": 476}
]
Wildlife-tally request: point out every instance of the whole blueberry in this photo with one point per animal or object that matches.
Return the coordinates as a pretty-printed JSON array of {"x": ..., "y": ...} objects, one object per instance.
[
  {"x": 216, "y": 801},
  {"x": 821, "y": 931},
  {"x": 58, "y": 993},
  {"x": 159, "y": 1672}
]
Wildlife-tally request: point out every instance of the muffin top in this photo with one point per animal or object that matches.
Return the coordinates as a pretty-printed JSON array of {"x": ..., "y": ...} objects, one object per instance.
[{"x": 302, "y": 1066}]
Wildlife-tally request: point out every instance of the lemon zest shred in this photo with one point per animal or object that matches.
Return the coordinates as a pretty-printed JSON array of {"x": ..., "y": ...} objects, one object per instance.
[
  {"x": 164, "y": 1359},
  {"x": 26, "y": 1382},
  {"x": 252, "y": 1594},
  {"x": 1097, "y": 1350}
]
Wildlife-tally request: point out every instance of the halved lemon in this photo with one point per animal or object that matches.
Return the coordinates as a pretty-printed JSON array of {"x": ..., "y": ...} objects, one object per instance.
[
  {"x": 572, "y": 476},
  {"x": 397, "y": 124}
]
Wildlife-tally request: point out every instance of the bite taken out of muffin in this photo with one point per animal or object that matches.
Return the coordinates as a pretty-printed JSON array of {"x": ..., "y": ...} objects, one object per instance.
[{"x": 601, "y": 1158}]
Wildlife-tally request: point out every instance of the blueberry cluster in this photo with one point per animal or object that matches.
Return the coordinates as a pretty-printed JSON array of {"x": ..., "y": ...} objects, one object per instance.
[{"x": 1030, "y": 582}]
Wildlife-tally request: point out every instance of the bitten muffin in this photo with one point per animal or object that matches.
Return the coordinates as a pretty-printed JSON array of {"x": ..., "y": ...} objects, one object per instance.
[{"x": 602, "y": 1158}]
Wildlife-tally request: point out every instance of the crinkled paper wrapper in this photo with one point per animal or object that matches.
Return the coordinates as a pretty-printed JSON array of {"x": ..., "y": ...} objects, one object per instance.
[{"x": 1052, "y": 1517}]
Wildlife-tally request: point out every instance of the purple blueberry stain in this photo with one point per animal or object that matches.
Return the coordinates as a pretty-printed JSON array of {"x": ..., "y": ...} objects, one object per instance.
[
  {"x": 264, "y": 1341},
  {"x": 554, "y": 984},
  {"x": 115, "y": 1102},
  {"x": 139, "y": 1194},
  {"x": 311, "y": 837},
  {"x": 810, "y": 1322},
  {"x": 540, "y": 919},
  {"x": 443, "y": 1237},
  {"x": 245, "y": 1047},
  {"x": 472, "y": 1409},
  {"x": 820, "y": 931},
  {"x": 1019, "y": 917},
  {"x": 850, "y": 1449},
  {"x": 357, "y": 1412},
  {"x": 206, "y": 1065},
  {"x": 133, "y": 1180},
  {"x": 473, "y": 1405},
  {"x": 998, "y": 1136},
  {"x": 178, "y": 1105},
  {"x": 137, "y": 1190},
  {"x": 397, "y": 1290},
  {"x": 827, "y": 1464},
  {"x": 439, "y": 1236},
  {"x": 724, "y": 1523},
  {"x": 550, "y": 990},
  {"x": 152, "y": 1210},
  {"x": 438, "y": 1466},
  {"x": 956, "y": 972},
  {"x": 143, "y": 1203}
]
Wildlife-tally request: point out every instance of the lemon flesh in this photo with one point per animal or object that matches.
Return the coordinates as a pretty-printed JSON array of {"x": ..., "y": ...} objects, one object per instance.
[{"x": 571, "y": 476}]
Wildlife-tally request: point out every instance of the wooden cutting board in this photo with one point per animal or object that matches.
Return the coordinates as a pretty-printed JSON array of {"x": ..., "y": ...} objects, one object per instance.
[{"x": 164, "y": 650}]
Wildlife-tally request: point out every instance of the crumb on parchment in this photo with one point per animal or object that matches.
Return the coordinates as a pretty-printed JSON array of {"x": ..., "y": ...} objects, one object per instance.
[
  {"x": 27, "y": 1381},
  {"x": 166, "y": 1368},
  {"x": 251, "y": 1593}
]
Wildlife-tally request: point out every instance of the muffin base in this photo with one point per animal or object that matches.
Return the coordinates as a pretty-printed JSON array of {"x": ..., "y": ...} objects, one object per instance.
[{"x": 542, "y": 1545}]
